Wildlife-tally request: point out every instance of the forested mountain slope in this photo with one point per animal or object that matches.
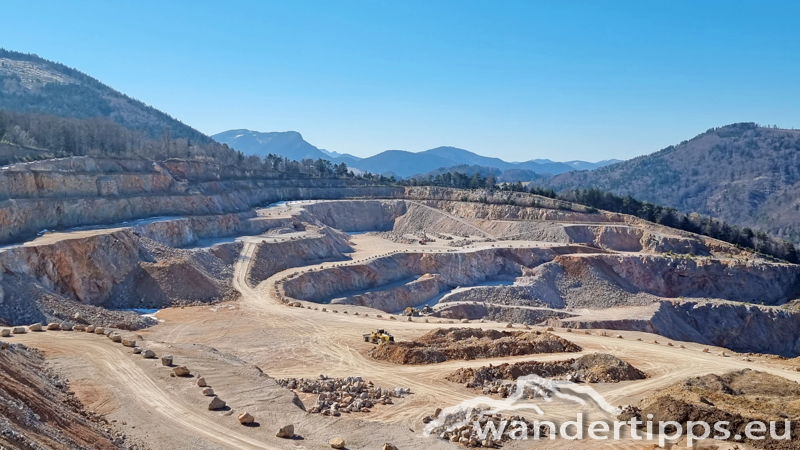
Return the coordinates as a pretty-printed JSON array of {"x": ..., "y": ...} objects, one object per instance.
[
  {"x": 29, "y": 83},
  {"x": 742, "y": 173}
]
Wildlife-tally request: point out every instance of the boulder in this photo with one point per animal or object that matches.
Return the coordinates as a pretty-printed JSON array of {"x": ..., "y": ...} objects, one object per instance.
[
  {"x": 5, "y": 332},
  {"x": 53, "y": 326},
  {"x": 337, "y": 442},
  {"x": 148, "y": 354},
  {"x": 90, "y": 328},
  {"x": 388, "y": 446},
  {"x": 99, "y": 330},
  {"x": 166, "y": 360},
  {"x": 216, "y": 403},
  {"x": 208, "y": 392},
  {"x": 115, "y": 337},
  {"x": 137, "y": 350},
  {"x": 246, "y": 418},
  {"x": 66, "y": 326},
  {"x": 18, "y": 330},
  {"x": 286, "y": 432},
  {"x": 201, "y": 382},
  {"x": 181, "y": 371},
  {"x": 79, "y": 328},
  {"x": 35, "y": 327},
  {"x": 129, "y": 342}
]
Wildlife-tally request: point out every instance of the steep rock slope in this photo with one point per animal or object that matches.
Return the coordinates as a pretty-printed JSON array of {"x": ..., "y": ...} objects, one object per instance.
[{"x": 38, "y": 411}]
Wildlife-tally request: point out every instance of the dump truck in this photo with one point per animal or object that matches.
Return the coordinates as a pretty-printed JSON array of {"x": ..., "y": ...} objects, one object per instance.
[{"x": 378, "y": 336}]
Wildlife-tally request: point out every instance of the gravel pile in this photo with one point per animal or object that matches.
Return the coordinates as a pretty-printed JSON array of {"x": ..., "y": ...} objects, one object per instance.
[{"x": 338, "y": 395}]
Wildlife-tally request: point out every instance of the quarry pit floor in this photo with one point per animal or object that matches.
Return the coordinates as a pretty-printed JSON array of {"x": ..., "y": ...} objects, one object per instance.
[{"x": 230, "y": 344}]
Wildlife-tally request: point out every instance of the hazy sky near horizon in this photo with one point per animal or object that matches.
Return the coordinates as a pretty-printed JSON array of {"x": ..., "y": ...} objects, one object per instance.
[{"x": 516, "y": 80}]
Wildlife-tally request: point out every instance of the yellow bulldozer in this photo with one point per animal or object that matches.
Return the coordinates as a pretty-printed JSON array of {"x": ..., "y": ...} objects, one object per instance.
[
  {"x": 410, "y": 311},
  {"x": 378, "y": 336}
]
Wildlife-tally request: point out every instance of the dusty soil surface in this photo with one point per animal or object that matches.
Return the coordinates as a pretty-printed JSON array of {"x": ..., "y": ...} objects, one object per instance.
[
  {"x": 738, "y": 397},
  {"x": 593, "y": 368},
  {"x": 469, "y": 343}
]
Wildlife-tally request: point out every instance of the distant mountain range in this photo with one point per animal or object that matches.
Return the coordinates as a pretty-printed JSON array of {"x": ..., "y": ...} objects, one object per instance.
[{"x": 395, "y": 162}]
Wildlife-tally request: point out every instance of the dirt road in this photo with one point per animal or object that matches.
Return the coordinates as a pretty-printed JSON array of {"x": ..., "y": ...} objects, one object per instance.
[{"x": 299, "y": 342}]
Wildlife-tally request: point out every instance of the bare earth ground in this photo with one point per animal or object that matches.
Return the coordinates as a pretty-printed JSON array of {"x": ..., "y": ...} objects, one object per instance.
[{"x": 229, "y": 343}]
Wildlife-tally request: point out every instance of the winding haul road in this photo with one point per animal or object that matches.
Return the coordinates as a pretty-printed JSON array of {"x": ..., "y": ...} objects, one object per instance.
[{"x": 304, "y": 343}]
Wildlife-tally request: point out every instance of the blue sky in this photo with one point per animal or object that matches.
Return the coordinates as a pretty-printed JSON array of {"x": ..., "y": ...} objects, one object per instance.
[{"x": 517, "y": 80}]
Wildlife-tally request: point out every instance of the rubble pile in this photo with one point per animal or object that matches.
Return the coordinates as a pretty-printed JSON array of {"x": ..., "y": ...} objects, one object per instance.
[
  {"x": 456, "y": 430},
  {"x": 338, "y": 395},
  {"x": 594, "y": 368},
  {"x": 470, "y": 343}
]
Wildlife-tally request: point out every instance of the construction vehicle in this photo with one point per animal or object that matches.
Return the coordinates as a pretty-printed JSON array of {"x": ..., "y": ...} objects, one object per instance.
[
  {"x": 411, "y": 311},
  {"x": 427, "y": 310},
  {"x": 378, "y": 336}
]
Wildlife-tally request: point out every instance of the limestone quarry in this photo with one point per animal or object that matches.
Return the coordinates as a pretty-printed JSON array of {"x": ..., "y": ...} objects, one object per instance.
[{"x": 255, "y": 287}]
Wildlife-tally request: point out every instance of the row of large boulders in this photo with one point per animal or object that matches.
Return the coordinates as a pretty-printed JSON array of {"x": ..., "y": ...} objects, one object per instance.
[{"x": 337, "y": 395}]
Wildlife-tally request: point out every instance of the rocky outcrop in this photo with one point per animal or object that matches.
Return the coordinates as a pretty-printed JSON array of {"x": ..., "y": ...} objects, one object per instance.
[{"x": 663, "y": 276}]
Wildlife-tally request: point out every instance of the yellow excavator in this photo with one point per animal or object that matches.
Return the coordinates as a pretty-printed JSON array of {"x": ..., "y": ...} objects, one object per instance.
[{"x": 378, "y": 336}]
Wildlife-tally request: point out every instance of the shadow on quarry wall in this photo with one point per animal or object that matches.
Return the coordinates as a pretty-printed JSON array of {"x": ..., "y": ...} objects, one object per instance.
[{"x": 739, "y": 327}]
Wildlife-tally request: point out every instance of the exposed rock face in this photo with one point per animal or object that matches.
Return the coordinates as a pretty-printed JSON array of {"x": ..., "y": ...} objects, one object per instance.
[
  {"x": 742, "y": 328},
  {"x": 678, "y": 277},
  {"x": 399, "y": 297},
  {"x": 377, "y": 215},
  {"x": 499, "y": 313},
  {"x": 453, "y": 269},
  {"x": 77, "y": 191},
  {"x": 273, "y": 257}
]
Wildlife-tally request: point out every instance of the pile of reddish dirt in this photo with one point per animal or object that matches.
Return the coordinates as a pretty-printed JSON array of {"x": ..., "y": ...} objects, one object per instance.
[
  {"x": 738, "y": 397},
  {"x": 605, "y": 368},
  {"x": 38, "y": 411},
  {"x": 470, "y": 343},
  {"x": 595, "y": 368}
]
